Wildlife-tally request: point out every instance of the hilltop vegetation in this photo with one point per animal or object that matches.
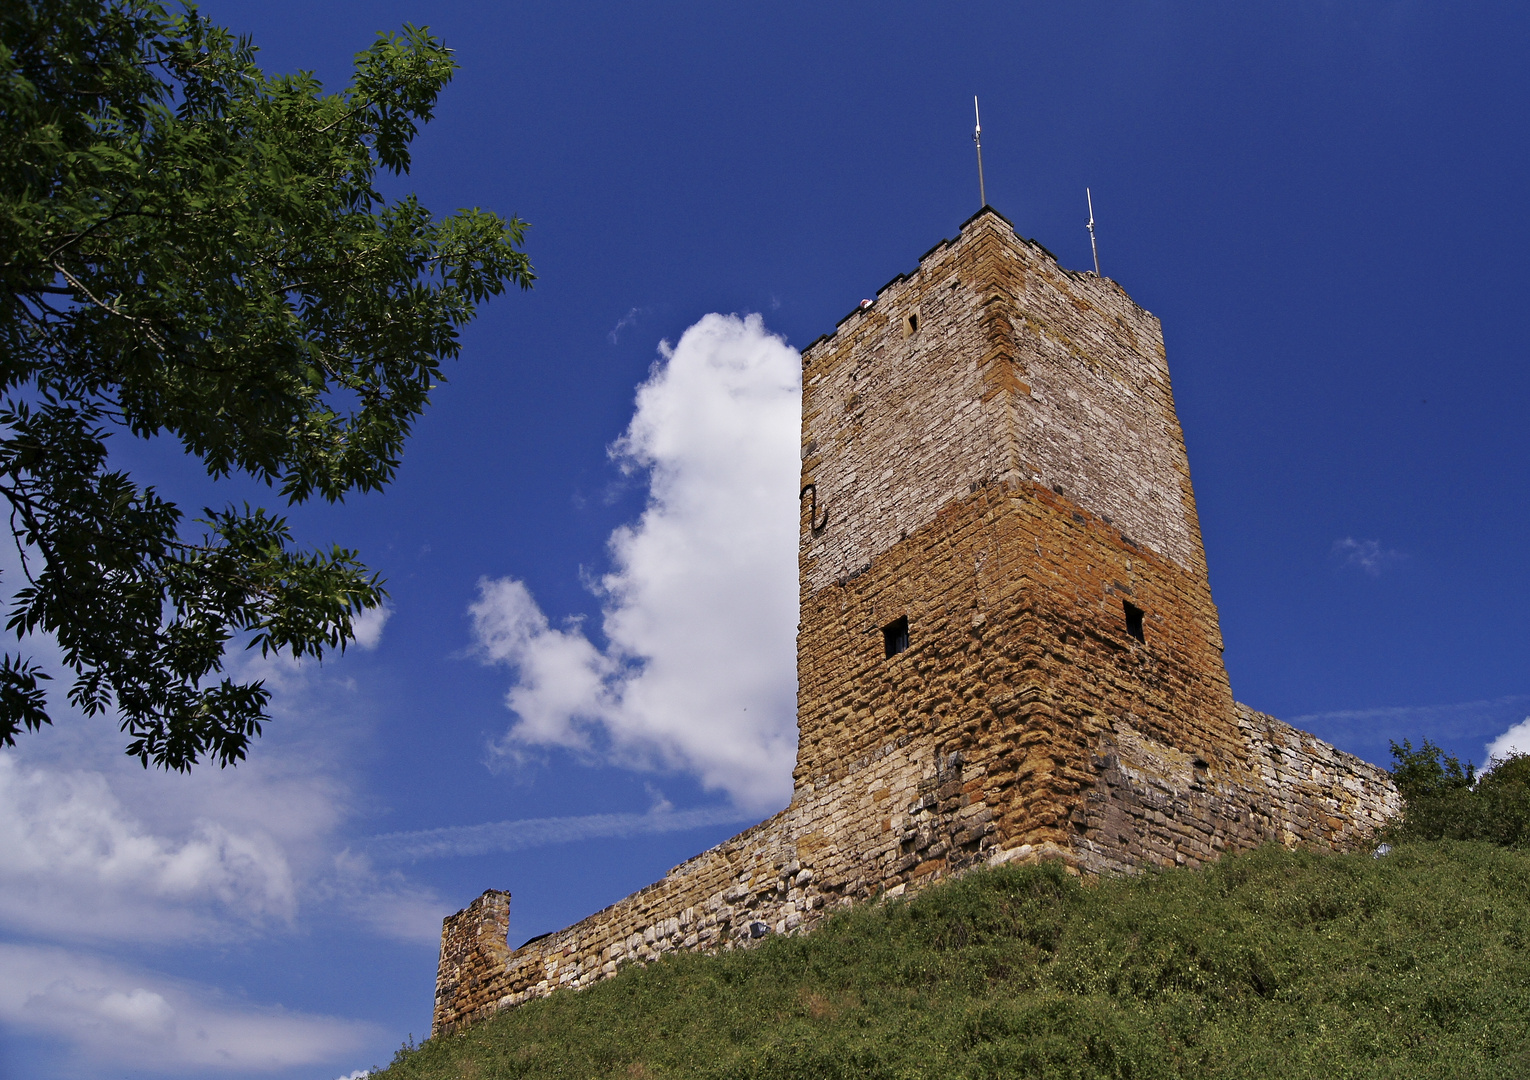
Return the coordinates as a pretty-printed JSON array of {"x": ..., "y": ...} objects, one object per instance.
[
  {"x": 1444, "y": 800},
  {"x": 1270, "y": 963}
]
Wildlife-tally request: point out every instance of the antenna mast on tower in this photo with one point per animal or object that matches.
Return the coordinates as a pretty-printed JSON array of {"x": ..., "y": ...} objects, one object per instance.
[
  {"x": 977, "y": 137},
  {"x": 1092, "y": 246}
]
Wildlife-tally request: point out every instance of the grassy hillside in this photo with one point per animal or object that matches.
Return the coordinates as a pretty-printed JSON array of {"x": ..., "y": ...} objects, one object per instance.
[{"x": 1270, "y": 964}]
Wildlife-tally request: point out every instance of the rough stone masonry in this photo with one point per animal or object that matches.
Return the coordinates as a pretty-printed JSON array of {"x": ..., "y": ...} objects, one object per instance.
[{"x": 1008, "y": 648}]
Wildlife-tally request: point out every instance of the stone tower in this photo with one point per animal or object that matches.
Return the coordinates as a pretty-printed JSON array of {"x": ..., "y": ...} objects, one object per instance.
[
  {"x": 1007, "y": 648},
  {"x": 1006, "y": 562}
]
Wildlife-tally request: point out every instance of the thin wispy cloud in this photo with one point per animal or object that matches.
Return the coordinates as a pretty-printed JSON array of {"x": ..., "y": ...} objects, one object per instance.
[
  {"x": 125, "y": 1017},
  {"x": 1367, "y": 556},
  {"x": 1460, "y": 726},
  {"x": 627, "y": 320},
  {"x": 385, "y": 902},
  {"x": 697, "y": 672},
  {"x": 1461, "y": 714},
  {"x": 504, "y": 836}
]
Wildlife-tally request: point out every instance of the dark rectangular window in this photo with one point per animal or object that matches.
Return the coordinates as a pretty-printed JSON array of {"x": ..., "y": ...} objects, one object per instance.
[
  {"x": 895, "y": 636},
  {"x": 1134, "y": 620}
]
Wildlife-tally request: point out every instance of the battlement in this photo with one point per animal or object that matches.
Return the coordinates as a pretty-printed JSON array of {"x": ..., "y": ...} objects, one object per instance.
[{"x": 1007, "y": 650}]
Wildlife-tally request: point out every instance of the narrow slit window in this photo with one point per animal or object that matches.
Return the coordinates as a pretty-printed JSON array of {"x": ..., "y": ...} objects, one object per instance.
[
  {"x": 911, "y": 324},
  {"x": 1134, "y": 620},
  {"x": 895, "y": 636}
]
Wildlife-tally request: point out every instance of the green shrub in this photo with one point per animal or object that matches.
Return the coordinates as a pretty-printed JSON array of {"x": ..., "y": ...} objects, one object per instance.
[{"x": 1444, "y": 801}]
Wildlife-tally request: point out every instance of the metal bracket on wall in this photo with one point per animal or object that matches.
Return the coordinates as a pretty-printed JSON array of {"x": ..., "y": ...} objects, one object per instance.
[{"x": 816, "y": 525}]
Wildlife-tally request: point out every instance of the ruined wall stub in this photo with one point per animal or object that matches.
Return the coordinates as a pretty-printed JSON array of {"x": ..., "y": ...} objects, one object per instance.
[{"x": 996, "y": 466}]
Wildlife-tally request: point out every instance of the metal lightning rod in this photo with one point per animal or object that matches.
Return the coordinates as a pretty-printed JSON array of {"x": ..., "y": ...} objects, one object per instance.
[
  {"x": 977, "y": 137},
  {"x": 1092, "y": 246}
]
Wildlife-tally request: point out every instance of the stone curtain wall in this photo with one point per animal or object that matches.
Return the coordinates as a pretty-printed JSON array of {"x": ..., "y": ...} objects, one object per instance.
[
  {"x": 1005, "y": 472},
  {"x": 900, "y": 818},
  {"x": 1151, "y": 805}
]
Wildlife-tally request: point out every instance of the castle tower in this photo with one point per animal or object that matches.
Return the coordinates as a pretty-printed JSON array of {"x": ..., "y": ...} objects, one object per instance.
[
  {"x": 1006, "y": 561},
  {"x": 1007, "y": 648}
]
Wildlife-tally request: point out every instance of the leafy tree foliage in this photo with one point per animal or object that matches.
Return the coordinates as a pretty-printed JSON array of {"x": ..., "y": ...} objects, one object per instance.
[
  {"x": 1444, "y": 801},
  {"x": 190, "y": 248}
]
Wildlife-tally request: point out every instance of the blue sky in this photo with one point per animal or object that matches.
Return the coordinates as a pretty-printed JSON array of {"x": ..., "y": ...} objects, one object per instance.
[{"x": 1324, "y": 203}]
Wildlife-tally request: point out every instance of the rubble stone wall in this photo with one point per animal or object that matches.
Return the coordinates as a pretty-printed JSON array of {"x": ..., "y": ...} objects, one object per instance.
[{"x": 900, "y": 818}]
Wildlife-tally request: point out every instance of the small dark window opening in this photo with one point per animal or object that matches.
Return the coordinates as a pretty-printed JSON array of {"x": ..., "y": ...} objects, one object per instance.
[
  {"x": 1133, "y": 620},
  {"x": 913, "y": 323},
  {"x": 895, "y": 636}
]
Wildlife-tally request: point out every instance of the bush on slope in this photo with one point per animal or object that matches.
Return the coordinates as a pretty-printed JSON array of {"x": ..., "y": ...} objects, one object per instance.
[{"x": 1444, "y": 801}]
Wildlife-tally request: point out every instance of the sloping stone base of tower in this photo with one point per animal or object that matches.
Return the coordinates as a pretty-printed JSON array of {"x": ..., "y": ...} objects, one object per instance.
[{"x": 1024, "y": 721}]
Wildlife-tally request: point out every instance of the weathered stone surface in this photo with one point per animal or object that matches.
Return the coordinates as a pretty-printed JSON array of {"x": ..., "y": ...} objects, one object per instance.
[{"x": 1006, "y": 473}]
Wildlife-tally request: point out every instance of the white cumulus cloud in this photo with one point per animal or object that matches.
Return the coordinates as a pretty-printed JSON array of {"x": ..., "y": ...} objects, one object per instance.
[
  {"x": 368, "y": 626},
  {"x": 1514, "y": 741},
  {"x": 74, "y": 860},
  {"x": 697, "y": 672},
  {"x": 115, "y": 1014}
]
